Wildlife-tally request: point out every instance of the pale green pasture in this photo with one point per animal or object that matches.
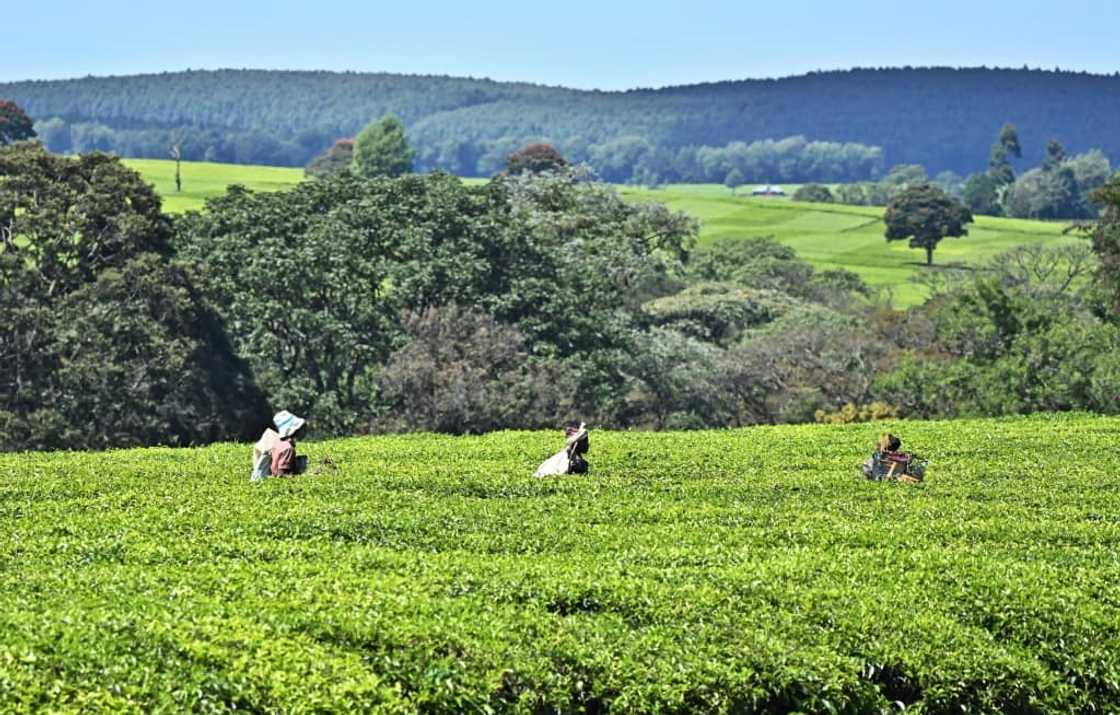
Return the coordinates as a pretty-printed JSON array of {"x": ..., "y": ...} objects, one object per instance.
[
  {"x": 203, "y": 180},
  {"x": 839, "y": 236}
]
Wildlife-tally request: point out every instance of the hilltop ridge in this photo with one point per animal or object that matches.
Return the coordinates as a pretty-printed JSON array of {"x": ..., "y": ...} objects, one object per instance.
[{"x": 943, "y": 118}]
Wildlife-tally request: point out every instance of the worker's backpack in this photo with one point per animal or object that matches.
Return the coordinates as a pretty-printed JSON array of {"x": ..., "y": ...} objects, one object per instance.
[{"x": 893, "y": 465}]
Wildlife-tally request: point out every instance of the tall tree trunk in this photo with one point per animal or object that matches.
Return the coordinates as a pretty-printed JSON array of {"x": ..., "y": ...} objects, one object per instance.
[{"x": 929, "y": 255}]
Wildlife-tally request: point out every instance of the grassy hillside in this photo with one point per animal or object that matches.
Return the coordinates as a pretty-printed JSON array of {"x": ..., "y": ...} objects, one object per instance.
[
  {"x": 826, "y": 235},
  {"x": 836, "y": 236},
  {"x": 690, "y": 572},
  {"x": 202, "y": 180}
]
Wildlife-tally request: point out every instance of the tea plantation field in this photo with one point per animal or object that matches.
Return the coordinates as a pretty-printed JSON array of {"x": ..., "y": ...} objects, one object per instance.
[{"x": 729, "y": 571}]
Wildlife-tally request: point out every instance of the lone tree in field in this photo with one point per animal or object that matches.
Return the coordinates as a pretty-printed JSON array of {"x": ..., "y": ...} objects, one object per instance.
[
  {"x": 381, "y": 149},
  {"x": 925, "y": 214},
  {"x": 535, "y": 159},
  {"x": 733, "y": 180},
  {"x": 15, "y": 125},
  {"x": 176, "y": 152}
]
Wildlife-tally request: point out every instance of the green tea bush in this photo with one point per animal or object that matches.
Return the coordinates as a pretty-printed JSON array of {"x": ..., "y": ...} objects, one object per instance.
[{"x": 748, "y": 570}]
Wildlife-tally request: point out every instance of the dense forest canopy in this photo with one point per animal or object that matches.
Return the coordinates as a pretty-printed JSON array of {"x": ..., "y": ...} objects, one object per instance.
[
  {"x": 851, "y": 124},
  {"x": 426, "y": 303}
]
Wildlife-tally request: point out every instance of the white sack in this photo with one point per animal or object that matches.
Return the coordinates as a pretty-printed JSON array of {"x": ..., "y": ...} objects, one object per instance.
[{"x": 555, "y": 465}]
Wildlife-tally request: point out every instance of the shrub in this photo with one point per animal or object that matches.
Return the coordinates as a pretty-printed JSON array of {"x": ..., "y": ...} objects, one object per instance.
[
  {"x": 716, "y": 312},
  {"x": 335, "y": 159},
  {"x": 815, "y": 193},
  {"x": 853, "y": 194},
  {"x": 675, "y": 382},
  {"x": 852, "y": 413},
  {"x": 461, "y": 371}
]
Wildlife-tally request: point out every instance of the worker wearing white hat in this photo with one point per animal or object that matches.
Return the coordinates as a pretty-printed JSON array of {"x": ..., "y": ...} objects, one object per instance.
[
  {"x": 287, "y": 424},
  {"x": 275, "y": 452}
]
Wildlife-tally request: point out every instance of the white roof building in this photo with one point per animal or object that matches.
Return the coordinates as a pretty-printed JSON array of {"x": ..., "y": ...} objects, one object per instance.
[{"x": 766, "y": 190}]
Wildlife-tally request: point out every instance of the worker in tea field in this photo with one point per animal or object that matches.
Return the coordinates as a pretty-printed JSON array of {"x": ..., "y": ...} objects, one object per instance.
[
  {"x": 889, "y": 463},
  {"x": 569, "y": 460},
  {"x": 274, "y": 454}
]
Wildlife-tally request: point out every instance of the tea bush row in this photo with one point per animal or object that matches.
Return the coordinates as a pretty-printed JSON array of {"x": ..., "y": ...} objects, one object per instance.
[{"x": 728, "y": 571}]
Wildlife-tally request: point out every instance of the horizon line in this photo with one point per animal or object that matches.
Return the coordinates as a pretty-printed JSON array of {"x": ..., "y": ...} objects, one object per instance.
[{"x": 701, "y": 83}]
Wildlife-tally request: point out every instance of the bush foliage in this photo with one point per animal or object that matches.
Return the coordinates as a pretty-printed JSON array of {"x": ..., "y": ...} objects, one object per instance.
[{"x": 814, "y": 193}]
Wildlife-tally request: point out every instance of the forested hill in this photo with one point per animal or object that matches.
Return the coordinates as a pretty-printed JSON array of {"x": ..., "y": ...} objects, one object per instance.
[{"x": 941, "y": 118}]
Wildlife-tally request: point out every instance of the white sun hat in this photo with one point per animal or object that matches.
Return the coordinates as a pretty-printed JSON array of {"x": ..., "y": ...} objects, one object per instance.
[{"x": 286, "y": 423}]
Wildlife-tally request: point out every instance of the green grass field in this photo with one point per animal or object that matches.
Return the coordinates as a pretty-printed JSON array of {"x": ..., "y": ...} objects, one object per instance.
[
  {"x": 828, "y": 236},
  {"x": 851, "y": 237},
  {"x": 731, "y": 571},
  {"x": 202, "y": 180}
]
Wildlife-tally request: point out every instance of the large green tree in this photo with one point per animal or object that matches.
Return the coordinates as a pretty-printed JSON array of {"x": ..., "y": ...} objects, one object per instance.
[
  {"x": 381, "y": 149},
  {"x": 304, "y": 278},
  {"x": 65, "y": 220},
  {"x": 140, "y": 357},
  {"x": 106, "y": 342},
  {"x": 15, "y": 125},
  {"x": 925, "y": 214}
]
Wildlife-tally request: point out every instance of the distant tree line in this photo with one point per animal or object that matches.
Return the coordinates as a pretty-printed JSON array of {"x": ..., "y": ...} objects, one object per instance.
[
  {"x": 939, "y": 118},
  {"x": 635, "y": 161},
  {"x": 1061, "y": 186},
  {"x": 422, "y": 303}
]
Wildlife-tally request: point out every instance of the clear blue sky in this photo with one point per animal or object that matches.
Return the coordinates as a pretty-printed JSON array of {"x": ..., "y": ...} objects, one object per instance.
[{"x": 604, "y": 44}]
